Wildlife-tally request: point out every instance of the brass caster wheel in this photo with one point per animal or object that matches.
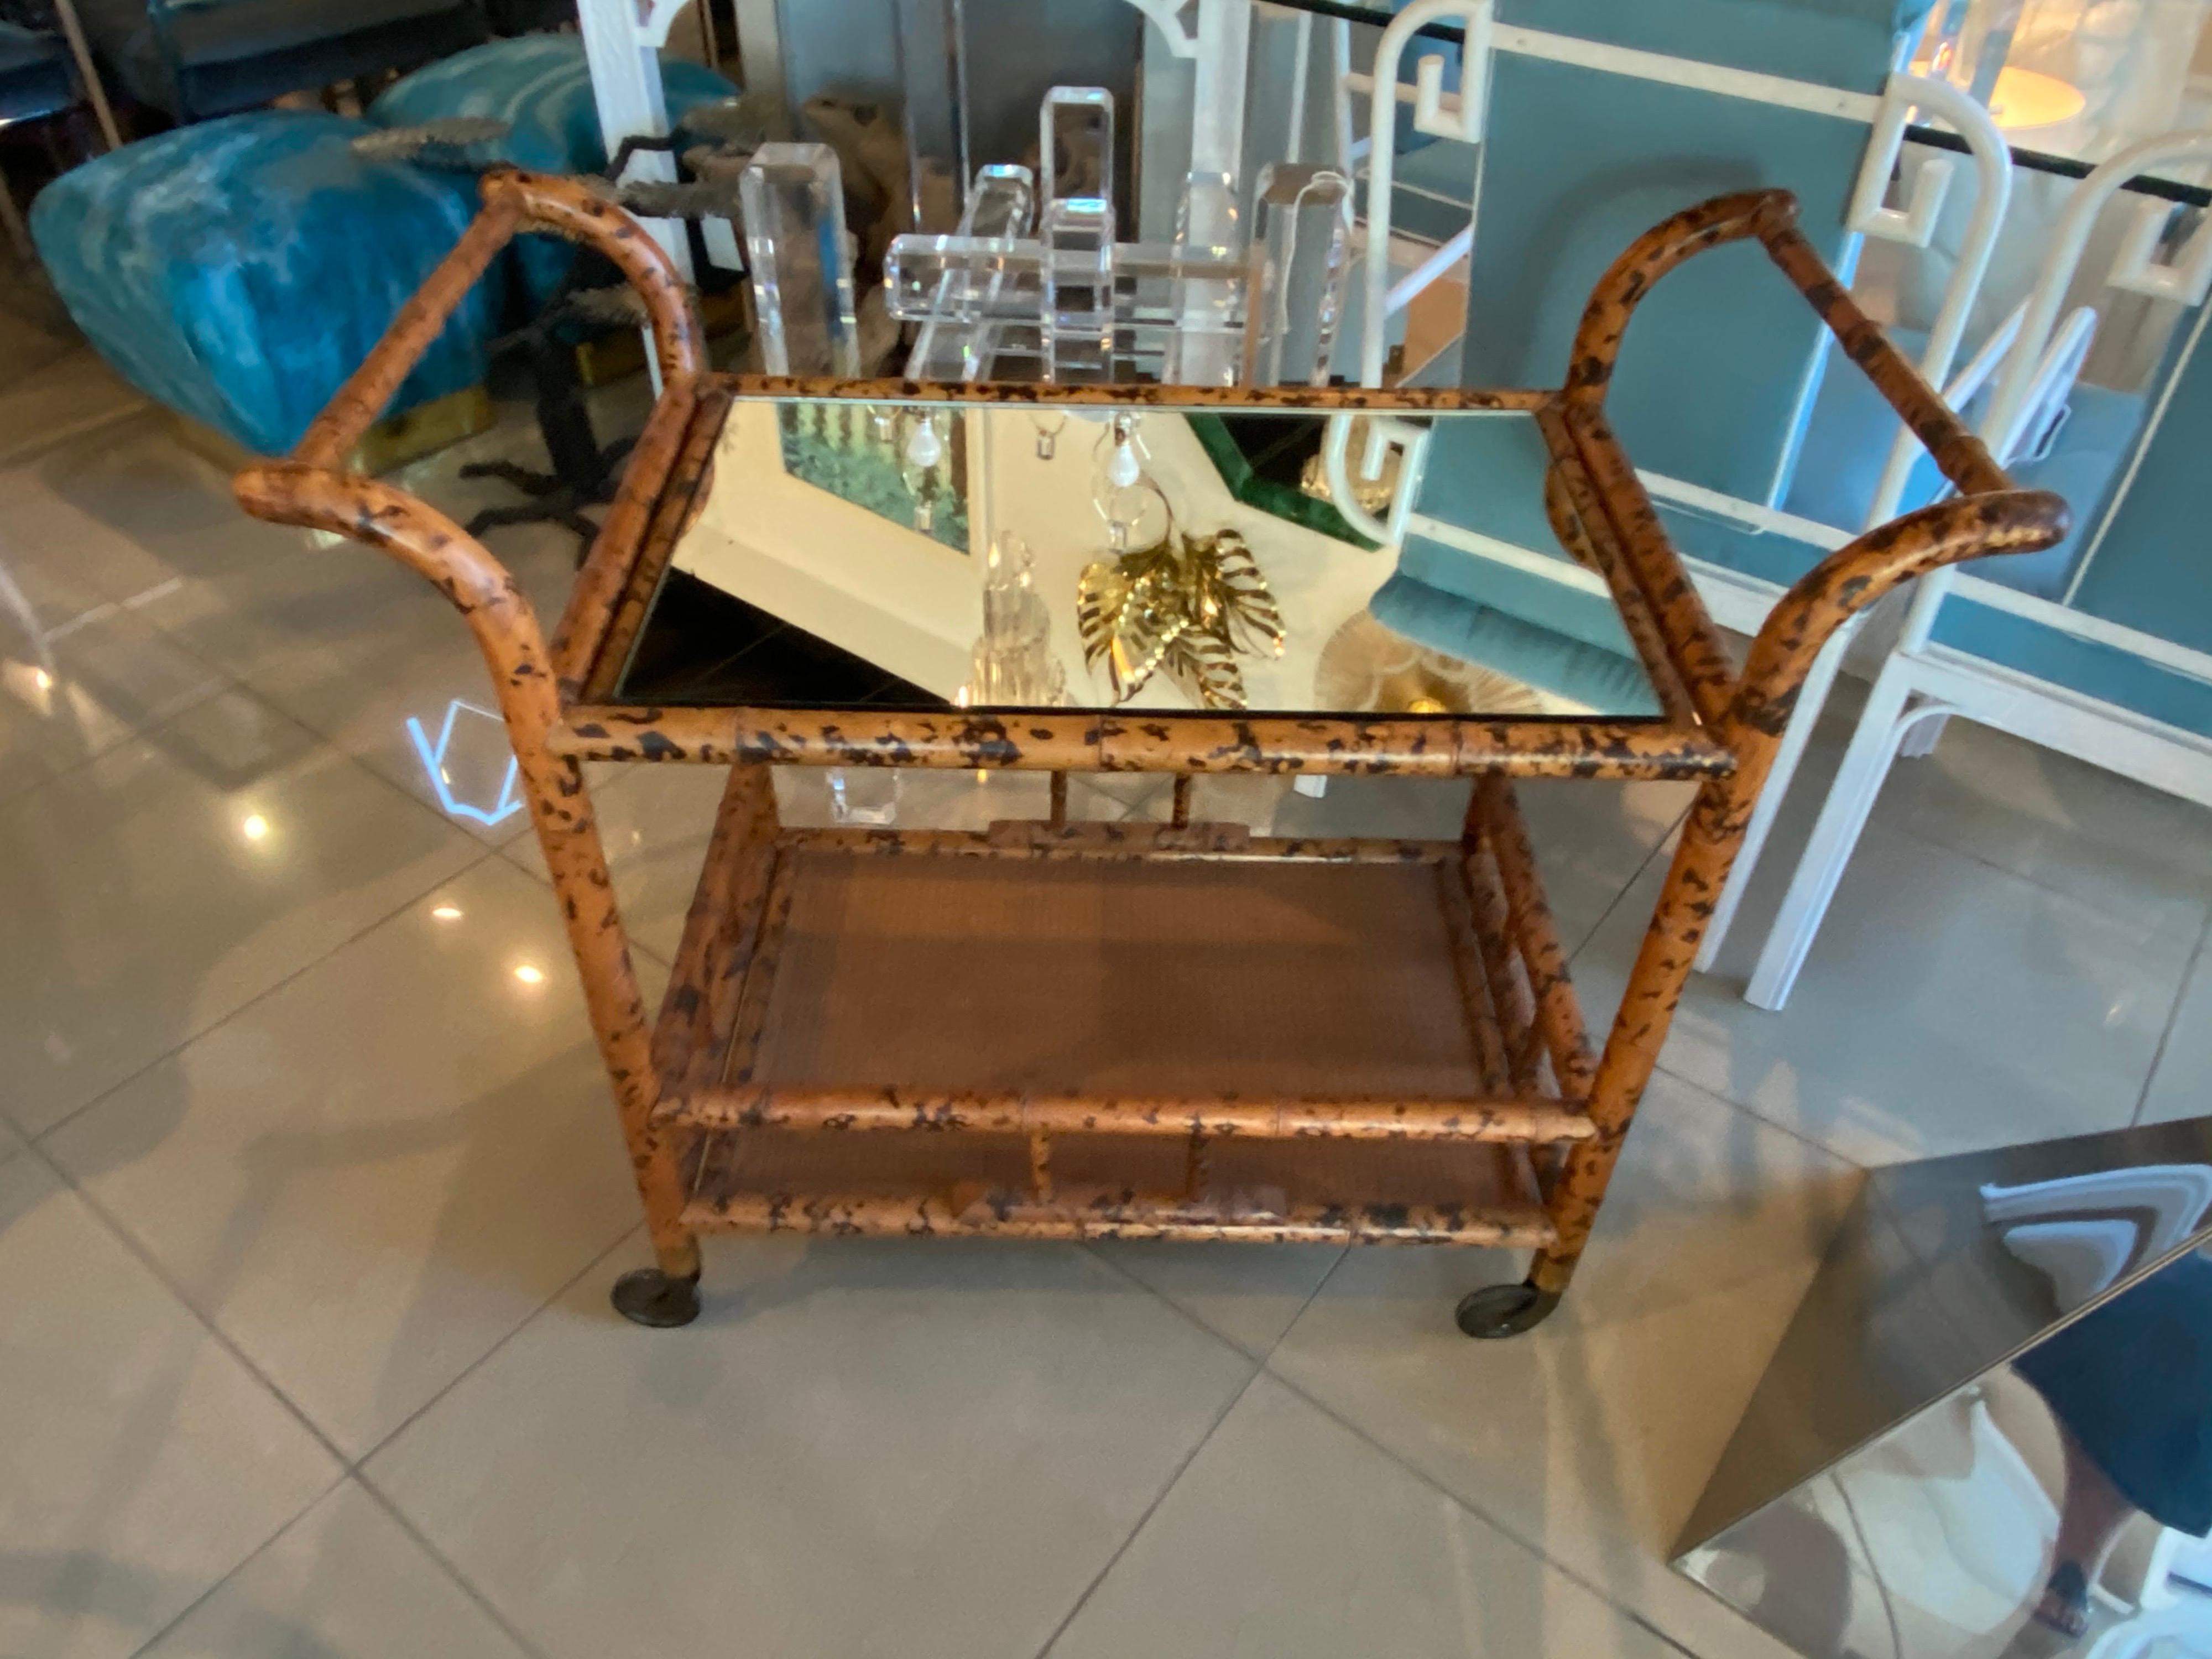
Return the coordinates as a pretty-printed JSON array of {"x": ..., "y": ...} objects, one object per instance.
[
  {"x": 650, "y": 1297},
  {"x": 1505, "y": 1310}
]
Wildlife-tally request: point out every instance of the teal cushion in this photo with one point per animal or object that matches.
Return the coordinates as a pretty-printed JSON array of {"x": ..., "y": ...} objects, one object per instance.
[
  {"x": 1434, "y": 197},
  {"x": 239, "y": 269},
  {"x": 1609, "y": 682},
  {"x": 1847, "y": 442},
  {"x": 2107, "y": 672},
  {"x": 1485, "y": 474},
  {"x": 1766, "y": 555},
  {"x": 1846, "y": 445},
  {"x": 1582, "y": 161},
  {"x": 541, "y": 87},
  {"x": 2150, "y": 570},
  {"x": 2084, "y": 465}
]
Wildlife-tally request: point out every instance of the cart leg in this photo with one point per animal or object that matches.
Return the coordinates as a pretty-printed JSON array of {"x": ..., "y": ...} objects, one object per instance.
[
  {"x": 668, "y": 1293},
  {"x": 1694, "y": 884}
]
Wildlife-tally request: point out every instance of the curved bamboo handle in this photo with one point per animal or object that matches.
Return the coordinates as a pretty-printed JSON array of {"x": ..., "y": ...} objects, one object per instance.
[
  {"x": 1862, "y": 572},
  {"x": 570, "y": 207},
  {"x": 513, "y": 202},
  {"x": 1669, "y": 244},
  {"x": 1770, "y": 217}
]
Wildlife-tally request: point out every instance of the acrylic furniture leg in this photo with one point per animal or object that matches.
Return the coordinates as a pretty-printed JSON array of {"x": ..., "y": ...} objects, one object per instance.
[{"x": 507, "y": 634}]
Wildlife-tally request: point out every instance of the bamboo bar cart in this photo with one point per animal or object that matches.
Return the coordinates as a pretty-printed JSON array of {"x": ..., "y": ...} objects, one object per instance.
[{"x": 790, "y": 1083}]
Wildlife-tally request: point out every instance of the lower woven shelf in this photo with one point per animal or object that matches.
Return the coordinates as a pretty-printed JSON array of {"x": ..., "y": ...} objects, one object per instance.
[{"x": 958, "y": 1185}]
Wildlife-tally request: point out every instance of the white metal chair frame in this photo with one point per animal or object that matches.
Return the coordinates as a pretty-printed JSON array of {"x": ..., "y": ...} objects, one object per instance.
[{"x": 1921, "y": 682}]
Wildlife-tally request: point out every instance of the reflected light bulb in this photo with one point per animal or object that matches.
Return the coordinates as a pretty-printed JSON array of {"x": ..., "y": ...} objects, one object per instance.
[
  {"x": 255, "y": 827},
  {"x": 529, "y": 974},
  {"x": 447, "y": 913},
  {"x": 42, "y": 679}
]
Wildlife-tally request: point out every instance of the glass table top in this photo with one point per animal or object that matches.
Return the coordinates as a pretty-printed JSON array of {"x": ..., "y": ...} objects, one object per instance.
[{"x": 917, "y": 556}]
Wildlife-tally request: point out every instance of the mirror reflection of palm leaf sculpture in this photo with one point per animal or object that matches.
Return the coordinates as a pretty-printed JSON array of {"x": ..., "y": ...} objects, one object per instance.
[{"x": 1186, "y": 604}]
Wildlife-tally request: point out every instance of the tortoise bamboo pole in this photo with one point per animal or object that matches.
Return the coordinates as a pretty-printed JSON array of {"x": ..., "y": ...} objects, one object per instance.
[
  {"x": 1570, "y": 502},
  {"x": 1509, "y": 995},
  {"x": 608, "y": 568},
  {"x": 368, "y": 389},
  {"x": 1464, "y": 934},
  {"x": 506, "y": 633},
  {"x": 1771, "y": 216},
  {"x": 1669, "y": 593},
  {"x": 1308, "y": 400},
  {"x": 720, "y": 931},
  {"x": 1096, "y": 742},
  {"x": 1100, "y": 841},
  {"x": 1558, "y": 1014},
  {"x": 1528, "y": 1120},
  {"x": 1088, "y": 1213},
  {"x": 305, "y": 490},
  {"x": 513, "y": 202},
  {"x": 1845, "y": 583}
]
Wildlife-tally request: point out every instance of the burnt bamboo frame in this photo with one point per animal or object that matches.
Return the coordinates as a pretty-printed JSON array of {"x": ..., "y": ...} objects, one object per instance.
[{"x": 1556, "y": 1110}]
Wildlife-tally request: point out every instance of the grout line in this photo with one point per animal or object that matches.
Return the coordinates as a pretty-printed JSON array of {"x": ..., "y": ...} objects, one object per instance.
[
  {"x": 629, "y": 1232},
  {"x": 1259, "y": 1370},
  {"x": 1175, "y": 1477},
  {"x": 349, "y": 1468},
  {"x": 1267, "y": 1368},
  {"x": 1810, "y": 1141},
  {"x": 243, "y": 1563},
  {"x": 146, "y": 1260},
  {"x": 484, "y": 1603},
  {"x": 352, "y": 1470},
  {"x": 2197, "y": 959},
  {"x": 259, "y": 997},
  {"x": 1489, "y": 1520}
]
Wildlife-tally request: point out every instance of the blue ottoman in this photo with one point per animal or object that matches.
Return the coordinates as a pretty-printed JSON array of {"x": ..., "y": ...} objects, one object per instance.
[
  {"x": 239, "y": 270},
  {"x": 540, "y": 85}
]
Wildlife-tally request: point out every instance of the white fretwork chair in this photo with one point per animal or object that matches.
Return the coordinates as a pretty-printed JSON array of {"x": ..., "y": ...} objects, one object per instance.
[{"x": 2100, "y": 648}]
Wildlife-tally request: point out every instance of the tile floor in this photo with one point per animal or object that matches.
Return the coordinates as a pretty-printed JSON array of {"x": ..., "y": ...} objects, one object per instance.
[{"x": 309, "y": 1201}]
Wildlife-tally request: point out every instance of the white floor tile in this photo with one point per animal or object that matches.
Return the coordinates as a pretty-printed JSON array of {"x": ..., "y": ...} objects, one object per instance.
[
  {"x": 383, "y": 648},
  {"x": 345, "y": 1579},
  {"x": 139, "y": 1461},
  {"x": 2064, "y": 824},
  {"x": 1946, "y": 1007},
  {"x": 1290, "y": 1536},
  {"x": 158, "y": 888},
  {"x": 2181, "y": 1087},
  {"x": 1592, "y": 1436},
  {"x": 136, "y": 514},
  {"x": 862, "y": 1449},
  {"x": 374, "y": 1174},
  {"x": 69, "y": 398},
  {"x": 77, "y": 680},
  {"x": 1244, "y": 1295}
]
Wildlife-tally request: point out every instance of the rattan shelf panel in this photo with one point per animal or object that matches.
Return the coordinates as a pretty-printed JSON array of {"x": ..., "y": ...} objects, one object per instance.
[{"x": 1150, "y": 985}]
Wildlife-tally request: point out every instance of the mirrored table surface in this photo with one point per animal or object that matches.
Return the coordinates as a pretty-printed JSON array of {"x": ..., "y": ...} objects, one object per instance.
[{"x": 1179, "y": 553}]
